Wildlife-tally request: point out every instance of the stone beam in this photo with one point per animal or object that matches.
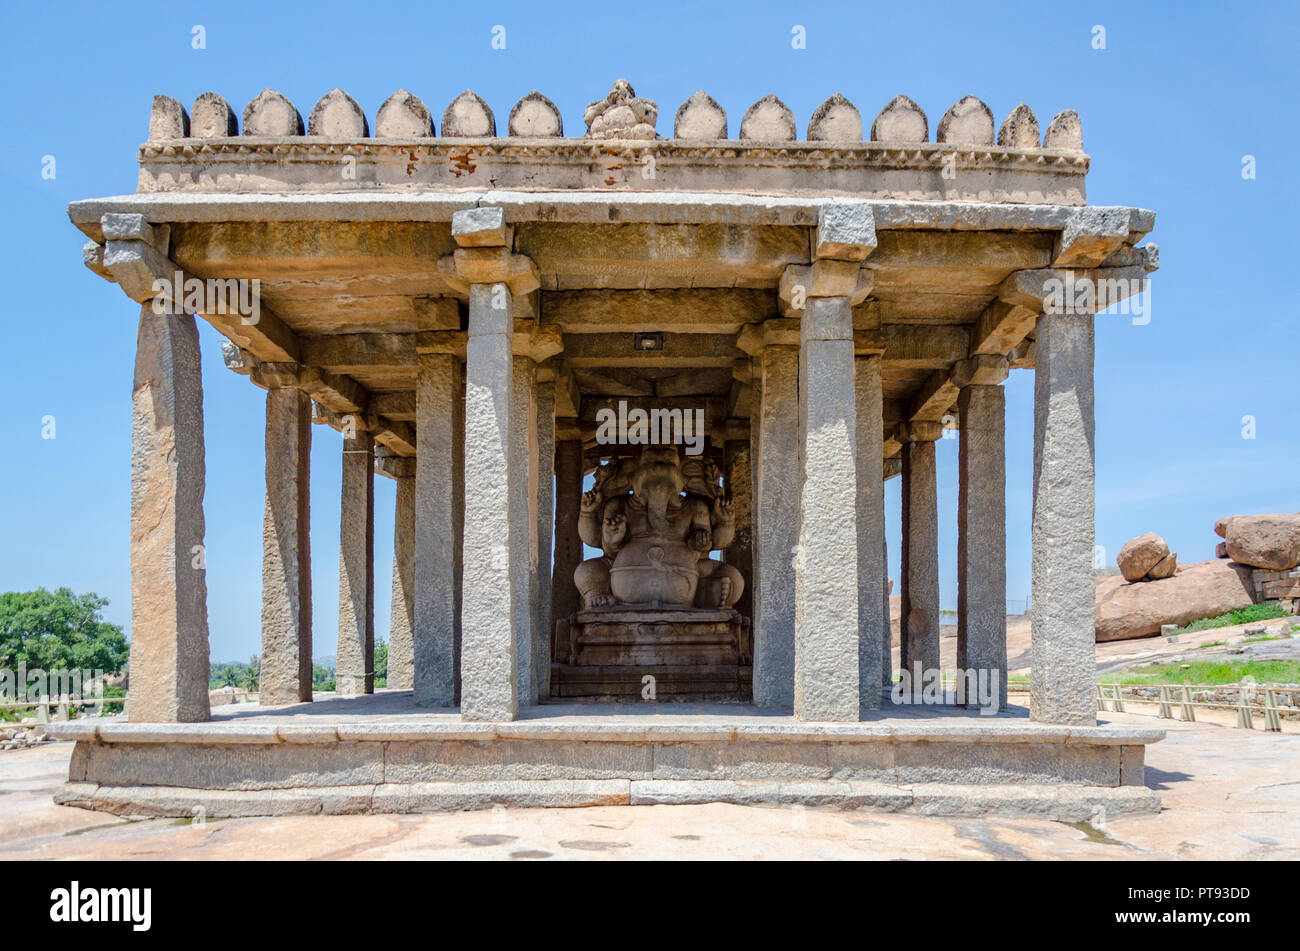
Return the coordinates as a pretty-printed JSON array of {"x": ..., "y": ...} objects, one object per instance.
[
  {"x": 679, "y": 350},
  {"x": 935, "y": 398},
  {"x": 711, "y": 310}
]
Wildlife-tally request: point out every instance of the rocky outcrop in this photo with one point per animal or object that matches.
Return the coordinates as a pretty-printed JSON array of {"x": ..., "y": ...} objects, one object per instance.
[
  {"x": 1146, "y": 557},
  {"x": 1262, "y": 541},
  {"x": 1205, "y": 589}
]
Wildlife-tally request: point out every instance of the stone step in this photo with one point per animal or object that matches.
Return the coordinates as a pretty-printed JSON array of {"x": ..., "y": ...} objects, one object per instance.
[{"x": 627, "y": 682}]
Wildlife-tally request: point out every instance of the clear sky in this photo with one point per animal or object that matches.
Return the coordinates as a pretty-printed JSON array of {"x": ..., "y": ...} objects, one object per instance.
[{"x": 1179, "y": 96}]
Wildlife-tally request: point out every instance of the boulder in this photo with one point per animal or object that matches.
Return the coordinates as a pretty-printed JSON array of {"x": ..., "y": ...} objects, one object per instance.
[
  {"x": 1139, "y": 555},
  {"x": 1205, "y": 589},
  {"x": 1164, "y": 568},
  {"x": 1264, "y": 541}
]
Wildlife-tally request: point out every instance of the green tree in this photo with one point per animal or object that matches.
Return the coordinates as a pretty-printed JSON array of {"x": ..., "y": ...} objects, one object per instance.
[
  {"x": 253, "y": 673},
  {"x": 381, "y": 664},
  {"x": 59, "y": 630}
]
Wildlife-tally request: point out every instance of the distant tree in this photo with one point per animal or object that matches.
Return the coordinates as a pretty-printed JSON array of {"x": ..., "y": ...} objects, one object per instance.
[
  {"x": 381, "y": 664},
  {"x": 322, "y": 678},
  {"x": 59, "y": 630},
  {"x": 253, "y": 673}
]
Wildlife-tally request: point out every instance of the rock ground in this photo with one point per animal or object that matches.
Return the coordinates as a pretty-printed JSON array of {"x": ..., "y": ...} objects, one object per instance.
[{"x": 1228, "y": 794}]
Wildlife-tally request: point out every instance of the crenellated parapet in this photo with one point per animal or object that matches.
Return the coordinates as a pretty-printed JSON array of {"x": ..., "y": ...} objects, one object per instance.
[{"x": 269, "y": 147}]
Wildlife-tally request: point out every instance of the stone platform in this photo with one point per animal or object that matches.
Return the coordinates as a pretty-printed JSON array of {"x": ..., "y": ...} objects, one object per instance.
[{"x": 380, "y": 754}]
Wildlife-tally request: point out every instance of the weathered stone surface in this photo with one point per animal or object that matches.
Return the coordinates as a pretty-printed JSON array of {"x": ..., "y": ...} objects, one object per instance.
[
  {"x": 535, "y": 116},
  {"x": 403, "y": 116},
  {"x": 1221, "y": 550},
  {"x": 845, "y": 232},
  {"x": 919, "y": 627},
  {"x": 1264, "y": 541},
  {"x": 776, "y": 509},
  {"x": 543, "y": 467},
  {"x": 468, "y": 116},
  {"x": 481, "y": 228},
  {"x": 769, "y": 120},
  {"x": 1019, "y": 129},
  {"x": 568, "y": 546},
  {"x": 982, "y": 537},
  {"x": 439, "y": 510},
  {"x": 523, "y": 480},
  {"x": 1165, "y": 567},
  {"x": 700, "y": 117},
  {"x": 169, "y": 613},
  {"x": 355, "y": 673},
  {"x": 1089, "y": 237},
  {"x": 967, "y": 122},
  {"x": 901, "y": 122},
  {"x": 338, "y": 116},
  {"x": 168, "y": 120},
  {"x": 1206, "y": 589},
  {"x": 621, "y": 115},
  {"x": 826, "y": 563},
  {"x": 212, "y": 117},
  {"x": 738, "y": 466},
  {"x": 1065, "y": 132},
  {"x": 1063, "y": 682},
  {"x": 1139, "y": 555},
  {"x": 1221, "y": 526},
  {"x": 873, "y": 605},
  {"x": 286, "y": 550},
  {"x": 401, "y": 627},
  {"x": 489, "y": 652},
  {"x": 835, "y": 120},
  {"x": 271, "y": 114}
]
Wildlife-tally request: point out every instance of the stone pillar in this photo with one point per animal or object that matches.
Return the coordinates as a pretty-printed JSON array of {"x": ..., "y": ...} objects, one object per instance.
[
  {"x": 439, "y": 511},
  {"x": 169, "y": 591},
  {"x": 1064, "y": 669},
  {"x": 873, "y": 639},
  {"x": 982, "y": 543},
  {"x": 401, "y": 625},
  {"x": 739, "y": 471},
  {"x": 568, "y": 546},
  {"x": 887, "y": 641},
  {"x": 543, "y": 465},
  {"x": 776, "y": 526},
  {"x": 355, "y": 673},
  {"x": 919, "y": 634},
  {"x": 826, "y": 567},
  {"x": 285, "y": 675},
  {"x": 522, "y": 459},
  {"x": 494, "y": 527}
]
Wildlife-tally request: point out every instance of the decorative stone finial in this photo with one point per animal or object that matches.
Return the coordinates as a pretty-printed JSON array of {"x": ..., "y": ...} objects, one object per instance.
[
  {"x": 700, "y": 117},
  {"x": 621, "y": 115},
  {"x": 271, "y": 114},
  {"x": 1065, "y": 132},
  {"x": 168, "y": 120},
  {"x": 901, "y": 122},
  {"x": 469, "y": 116},
  {"x": 835, "y": 120},
  {"x": 403, "y": 116},
  {"x": 536, "y": 116},
  {"x": 212, "y": 117},
  {"x": 769, "y": 120},
  {"x": 1020, "y": 129},
  {"x": 967, "y": 122},
  {"x": 338, "y": 116}
]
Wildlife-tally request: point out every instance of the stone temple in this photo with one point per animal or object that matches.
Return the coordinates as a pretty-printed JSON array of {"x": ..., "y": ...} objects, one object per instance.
[{"x": 640, "y": 395}]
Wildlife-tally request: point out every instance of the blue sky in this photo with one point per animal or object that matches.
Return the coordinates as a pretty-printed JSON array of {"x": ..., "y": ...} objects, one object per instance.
[{"x": 1170, "y": 107}]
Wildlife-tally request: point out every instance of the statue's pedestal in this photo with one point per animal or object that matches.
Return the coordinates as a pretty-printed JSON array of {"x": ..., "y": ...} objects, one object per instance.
[{"x": 688, "y": 654}]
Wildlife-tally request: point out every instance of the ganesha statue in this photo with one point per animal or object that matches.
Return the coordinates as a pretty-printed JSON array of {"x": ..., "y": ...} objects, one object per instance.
[{"x": 656, "y": 518}]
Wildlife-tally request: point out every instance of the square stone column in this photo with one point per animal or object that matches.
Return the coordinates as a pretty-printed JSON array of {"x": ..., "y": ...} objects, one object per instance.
[
  {"x": 169, "y": 591},
  {"x": 568, "y": 546},
  {"x": 982, "y": 542},
  {"x": 544, "y": 466},
  {"x": 495, "y": 525},
  {"x": 738, "y": 466},
  {"x": 1063, "y": 646},
  {"x": 919, "y": 634},
  {"x": 439, "y": 515},
  {"x": 826, "y": 565},
  {"x": 776, "y": 525},
  {"x": 522, "y": 452},
  {"x": 873, "y": 603},
  {"x": 401, "y": 625},
  {"x": 285, "y": 675},
  {"x": 355, "y": 671},
  {"x": 886, "y": 626}
]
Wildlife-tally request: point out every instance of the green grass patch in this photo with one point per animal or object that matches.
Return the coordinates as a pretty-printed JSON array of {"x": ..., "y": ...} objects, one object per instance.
[
  {"x": 1255, "y": 612},
  {"x": 1211, "y": 672}
]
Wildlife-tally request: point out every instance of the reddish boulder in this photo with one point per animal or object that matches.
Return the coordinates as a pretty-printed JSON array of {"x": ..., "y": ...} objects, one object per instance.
[
  {"x": 1139, "y": 555},
  {"x": 1205, "y": 589},
  {"x": 1264, "y": 541}
]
